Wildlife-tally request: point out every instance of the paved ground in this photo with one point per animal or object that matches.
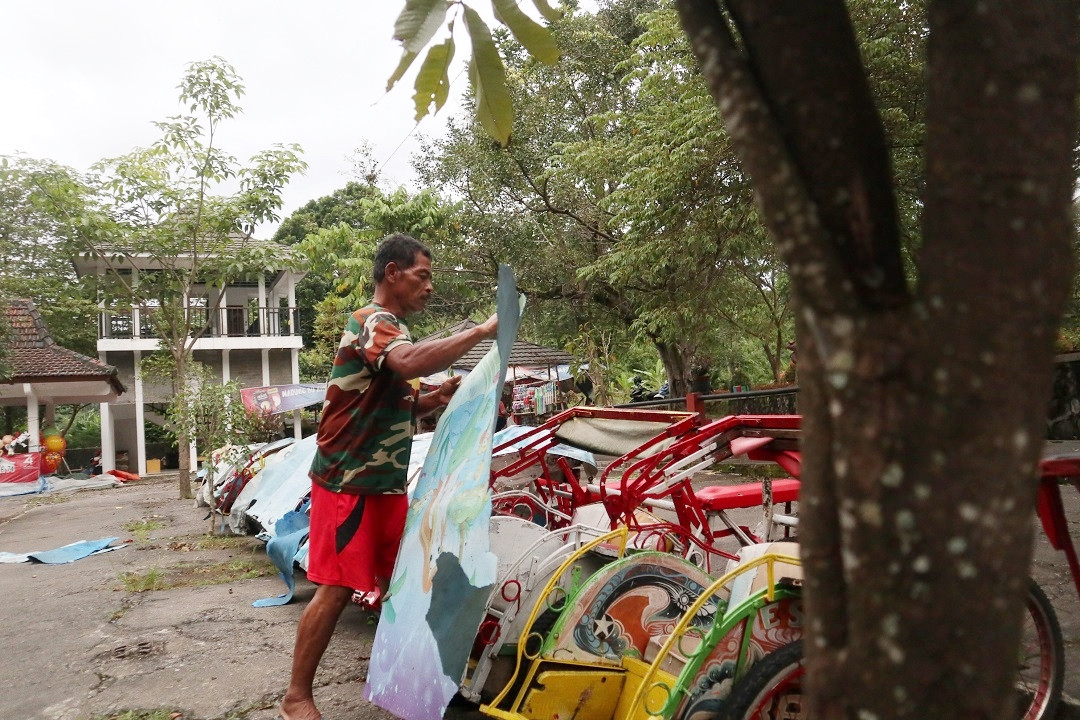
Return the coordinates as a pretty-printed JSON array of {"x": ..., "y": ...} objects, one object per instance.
[{"x": 80, "y": 642}]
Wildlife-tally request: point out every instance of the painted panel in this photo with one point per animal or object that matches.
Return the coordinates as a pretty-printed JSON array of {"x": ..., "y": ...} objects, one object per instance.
[
  {"x": 627, "y": 603},
  {"x": 775, "y": 625},
  {"x": 712, "y": 684}
]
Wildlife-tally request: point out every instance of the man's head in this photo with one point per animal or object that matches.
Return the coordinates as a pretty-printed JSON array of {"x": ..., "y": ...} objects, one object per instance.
[{"x": 402, "y": 274}]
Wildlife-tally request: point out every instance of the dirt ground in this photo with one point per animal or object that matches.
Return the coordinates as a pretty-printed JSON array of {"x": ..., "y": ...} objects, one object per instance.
[{"x": 89, "y": 641}]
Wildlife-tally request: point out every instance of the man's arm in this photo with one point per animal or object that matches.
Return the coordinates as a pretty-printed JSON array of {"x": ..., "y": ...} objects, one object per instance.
[{"x": 413, "y": 361}]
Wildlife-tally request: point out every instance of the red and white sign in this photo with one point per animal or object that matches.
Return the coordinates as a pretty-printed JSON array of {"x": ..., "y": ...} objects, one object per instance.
[{"x": 22, "y": 467}]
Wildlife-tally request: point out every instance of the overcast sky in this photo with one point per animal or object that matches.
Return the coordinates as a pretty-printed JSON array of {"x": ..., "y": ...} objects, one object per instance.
[{"x": 83, "y": 80}]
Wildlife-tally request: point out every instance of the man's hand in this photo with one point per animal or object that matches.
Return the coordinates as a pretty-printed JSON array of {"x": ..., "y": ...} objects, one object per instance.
[
  {"x": 490, "y": 327},
  {"x": 447, "y": 390}
]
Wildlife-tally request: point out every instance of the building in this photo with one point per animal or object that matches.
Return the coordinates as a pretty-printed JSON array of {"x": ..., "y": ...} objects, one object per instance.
[
  {"x": 44, "y": 374},
  {"x": 250, "y": 333}
]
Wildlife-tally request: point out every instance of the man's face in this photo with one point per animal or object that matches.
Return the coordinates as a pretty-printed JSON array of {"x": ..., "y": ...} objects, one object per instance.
[{"x": 413, "y": 285}]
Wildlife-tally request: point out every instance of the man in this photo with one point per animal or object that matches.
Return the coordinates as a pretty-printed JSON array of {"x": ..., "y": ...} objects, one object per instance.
[{"x": 358, "y": 501}]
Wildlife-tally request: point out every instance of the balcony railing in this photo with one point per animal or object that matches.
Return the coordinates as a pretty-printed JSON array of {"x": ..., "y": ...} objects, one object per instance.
[{"x": 229, "y": 321}]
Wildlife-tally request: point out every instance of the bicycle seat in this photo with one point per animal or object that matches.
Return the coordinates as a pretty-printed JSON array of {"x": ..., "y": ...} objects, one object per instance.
[{"x": 729, "y": 497}]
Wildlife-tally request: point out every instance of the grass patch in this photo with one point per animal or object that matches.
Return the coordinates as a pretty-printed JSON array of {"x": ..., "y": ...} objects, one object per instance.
[
  {"x": 141, "y": 529},
  {"x": 159, "y": 714},
  {"x": 215, "y": 542},
  {"x": 152, "y": 579},
  {"x": 51, "y": 499},
  {"x": 220, "y": 573},
  {"x": 197, "y": 574}
]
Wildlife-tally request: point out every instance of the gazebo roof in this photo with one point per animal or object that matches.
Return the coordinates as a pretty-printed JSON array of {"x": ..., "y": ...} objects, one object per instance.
[
  {"x": 58, "y": 375},
  {"x": 523, "y": 354}
]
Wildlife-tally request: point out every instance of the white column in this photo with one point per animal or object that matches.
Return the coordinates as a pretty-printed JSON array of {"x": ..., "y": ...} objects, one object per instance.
[
  {"x": 264, "y": 316},
  {"x": 265, "y": 366},
  {"x": 212, "y": 316},
  {"x": 33, "y": 421},
  {"x": 104, "y": 323},
  {"x": 223, "y": 312},
  {"x": 294, "y": 354},
  {"x": 108, "y": 430},
  {"x": 140, "y": 418},
  {"x": 108, "y": 438},
  {"x": 294, "y": 314},
  {"x": 136, "y": 311},
  {"x": 273, "y": 314},
  {"x": 226, "y": 370}
]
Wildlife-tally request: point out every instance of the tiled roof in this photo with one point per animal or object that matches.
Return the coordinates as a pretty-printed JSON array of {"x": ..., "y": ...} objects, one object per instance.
[
  {"x": 523, "y": 354},
  {"x": 36, "y": 356}
]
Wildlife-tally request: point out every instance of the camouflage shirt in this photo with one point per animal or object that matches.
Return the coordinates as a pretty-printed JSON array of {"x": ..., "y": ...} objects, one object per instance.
[{"x": 365, "y": 434}]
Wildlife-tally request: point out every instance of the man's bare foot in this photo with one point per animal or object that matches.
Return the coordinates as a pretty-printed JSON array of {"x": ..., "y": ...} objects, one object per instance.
[{"x": 299, "y": 709}]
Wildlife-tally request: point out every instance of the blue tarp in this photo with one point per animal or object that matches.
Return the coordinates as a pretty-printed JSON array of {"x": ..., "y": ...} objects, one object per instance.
[{"x": 61, "y": 555}]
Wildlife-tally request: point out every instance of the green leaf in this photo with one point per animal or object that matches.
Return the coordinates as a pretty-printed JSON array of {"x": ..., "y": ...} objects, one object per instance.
[
  {"x": 406, "y": 60},
  {"x": 536, "y": 38},
  {"x": 419, "y": 22},
  {"x": 493, "y": 107},
  {"x": 550, "y": 14},
  {"x": 433, "y": 80}
]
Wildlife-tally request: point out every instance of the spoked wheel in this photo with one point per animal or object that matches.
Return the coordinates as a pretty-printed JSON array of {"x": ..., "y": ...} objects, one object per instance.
[
  {"x": 772, "y": 687},
  {"x": 1041, "y": 672}
]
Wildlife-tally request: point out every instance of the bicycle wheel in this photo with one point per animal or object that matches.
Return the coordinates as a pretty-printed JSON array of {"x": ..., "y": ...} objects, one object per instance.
[
  {"x": 771, "y": 688},
  {"x": 1041, "y": 671}
]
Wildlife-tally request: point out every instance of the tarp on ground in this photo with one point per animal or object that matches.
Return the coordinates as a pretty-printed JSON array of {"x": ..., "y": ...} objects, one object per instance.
[
  {"x": 231, "y": 478},
  {"x": 281, "y": 485}
]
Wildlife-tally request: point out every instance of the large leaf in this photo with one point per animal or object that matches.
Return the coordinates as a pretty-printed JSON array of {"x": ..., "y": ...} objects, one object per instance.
[
  {"x": 419, "y": 22},
  {"x": 493, "y": 107},
  {"x": 433, "y": 80},
  {"x": 550, "y": 14},
  {"x": 536, "y": 38},
  {"x": 406, "y": 60}
]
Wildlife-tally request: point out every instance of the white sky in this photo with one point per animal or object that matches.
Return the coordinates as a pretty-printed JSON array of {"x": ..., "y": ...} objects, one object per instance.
[{"x": 84, "y": 79}]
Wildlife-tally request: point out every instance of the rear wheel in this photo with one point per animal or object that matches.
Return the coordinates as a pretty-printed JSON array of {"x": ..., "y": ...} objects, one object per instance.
[
  {"x": 1041, "y": 673},
  {"x": 772, "y": 687}
]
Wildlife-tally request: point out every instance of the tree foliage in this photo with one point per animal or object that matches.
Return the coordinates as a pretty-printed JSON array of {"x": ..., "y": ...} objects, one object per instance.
[
  {"x": 168, "y": 205},
  {"x": 927, "y": 287},
  {"x": 623, "y": 194},
  {"x": 339, "y": 233},
  {"x": 40, "y": 205}
]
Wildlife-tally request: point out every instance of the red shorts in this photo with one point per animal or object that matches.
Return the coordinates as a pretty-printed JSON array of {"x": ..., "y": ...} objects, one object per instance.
[{"x": 354, "y": 538}]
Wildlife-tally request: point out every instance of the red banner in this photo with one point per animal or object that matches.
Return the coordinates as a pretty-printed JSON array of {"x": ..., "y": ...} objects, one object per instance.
[
  {"x": 282, "y": 398},
  {"x": 22, "y": 467}
]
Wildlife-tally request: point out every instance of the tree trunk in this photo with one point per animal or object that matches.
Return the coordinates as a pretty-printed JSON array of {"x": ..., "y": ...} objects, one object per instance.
[
  {"x": 184, "y": 449},
  {"x": 924, "y": 411},
  {"x": 677, "y": 367},
  {"x": 183, "y": 442}
]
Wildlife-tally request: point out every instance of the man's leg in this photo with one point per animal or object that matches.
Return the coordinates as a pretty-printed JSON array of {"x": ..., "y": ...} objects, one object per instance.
[
  {"x": 391, "y": 513},
  {"x": 313, "y": 634}
]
